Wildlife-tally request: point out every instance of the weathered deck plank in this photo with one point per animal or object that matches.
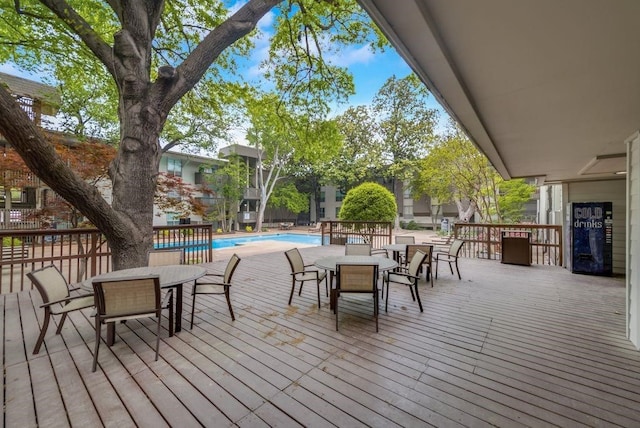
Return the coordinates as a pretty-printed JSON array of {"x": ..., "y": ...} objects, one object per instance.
[{"x": 507, "y": 346}]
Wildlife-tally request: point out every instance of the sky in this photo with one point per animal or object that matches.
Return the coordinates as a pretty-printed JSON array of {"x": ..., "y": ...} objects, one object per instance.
[{"x": 370, "y": 70}]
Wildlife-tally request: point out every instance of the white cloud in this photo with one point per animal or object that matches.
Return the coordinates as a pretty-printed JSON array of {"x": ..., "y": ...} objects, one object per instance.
[{"x": 351, "y": 56}]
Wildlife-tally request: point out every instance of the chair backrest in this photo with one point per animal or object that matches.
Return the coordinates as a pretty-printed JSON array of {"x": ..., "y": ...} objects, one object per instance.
[
  {"x": 418, "y": 259},
  {"x": 456, "y": 246},
  {"x": 50, "y": 283},
  {"x": 231, "y": 268},
  {"x": 165, "y": 257},
  {"x": 127, "y": 296},
  {"x": 351, "y": 249},
  {"x": 404, "y": 239},
  {"x": 357, "y": 278},
  {"x": 295, "y": 260},
  {"x": 412, "y": 248}
]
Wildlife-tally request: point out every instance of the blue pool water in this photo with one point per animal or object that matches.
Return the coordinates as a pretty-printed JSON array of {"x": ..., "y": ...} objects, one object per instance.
[{"x": 295, "y": 238}]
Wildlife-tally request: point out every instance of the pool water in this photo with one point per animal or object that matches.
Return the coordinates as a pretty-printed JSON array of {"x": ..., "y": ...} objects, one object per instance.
[{"x": 219, "y": 243}]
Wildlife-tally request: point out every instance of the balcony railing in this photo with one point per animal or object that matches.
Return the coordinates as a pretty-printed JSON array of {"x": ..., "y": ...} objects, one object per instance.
[
  {"x": 483, "y": 241},
  {"x": 83, "y": 253},
  {"x": 340, "y": 232}
]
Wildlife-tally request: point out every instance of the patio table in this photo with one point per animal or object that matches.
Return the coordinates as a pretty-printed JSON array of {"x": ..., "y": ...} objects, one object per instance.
[
  {"x": 172, "y": 276},
  {"x": 330, "y": 263}
]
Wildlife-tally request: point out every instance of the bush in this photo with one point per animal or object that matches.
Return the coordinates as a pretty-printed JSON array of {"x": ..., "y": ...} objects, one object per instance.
[
  {"x": 412, "y": 225},
  {"x": 249, "y": 229},
  {"x": 6, "y": 242},
  {"x": 368, "y": 202}
]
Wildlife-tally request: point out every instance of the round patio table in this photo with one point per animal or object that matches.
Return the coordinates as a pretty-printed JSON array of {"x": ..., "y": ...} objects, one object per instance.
[
  {"x": 330, "y": 263},
  {"x": 171, "y": 276}
]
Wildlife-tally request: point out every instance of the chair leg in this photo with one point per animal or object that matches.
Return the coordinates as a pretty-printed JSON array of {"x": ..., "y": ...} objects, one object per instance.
[
  {"x": 335, "y": 306},
  {"x": 97, "y": 347},
  {"x": 375, "y": 308},
  {"x": 386, "y": 300},
  {"x": 171, "y": 315},
  {"x": 412, "y": 296},
  {"x": 193, "y": 304},
  {"x": 43, "y": 331},
  {"x": 436, "y": 268},
  {"x": 418, "y": 297},
  {"x": 226, "y": 294},
  {"x": 318, "y": 287},
  {"x": 458, "y": 270},
  {"x": 450, "y": 267},
  {"x": 62, "y": 320},
  {"x": 159, "y": 315},
  {"x": 293, "y": 287}
]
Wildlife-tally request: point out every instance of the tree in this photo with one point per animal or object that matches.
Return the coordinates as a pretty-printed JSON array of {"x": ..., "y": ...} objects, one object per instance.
[
  {"x": 153, "y": 53},
  {"x": 360, "y": 154},
  {"x": 455, "y": 171},
  {"x": 288, "y": 197},
  {"x": 368, "y": 202},
  {"x": 227, "y": 184},
  {"x": 512, "y": 197},
  {"x": 282, "y": 139}
]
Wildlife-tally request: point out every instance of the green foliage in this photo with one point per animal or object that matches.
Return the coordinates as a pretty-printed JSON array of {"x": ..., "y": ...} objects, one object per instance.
[
  {"x": 287, "y": 196},
  {"x": 411, "y": 225},
  {"x": 248, "y": 228},
  {"x": 7, "y": 241},
  {"x": 513, "y": 195},
  {"x": 368, "y": 202}
]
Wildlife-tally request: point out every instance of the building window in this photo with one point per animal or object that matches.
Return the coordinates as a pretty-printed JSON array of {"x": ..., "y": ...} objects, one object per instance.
[
  {"x": 17, "y": 195},
  {"x": 337, "y": 212},
  {"x": 174, "y": 167},
  {"x": 172, "y": 219},
  {"x": 321, "y": 212},
  {"x": 339, "y": 195},
  {"x": 322, "y": 196}
]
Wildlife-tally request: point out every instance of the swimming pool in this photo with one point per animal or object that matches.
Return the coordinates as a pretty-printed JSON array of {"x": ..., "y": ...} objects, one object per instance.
[{"x": 219, "y": 243}]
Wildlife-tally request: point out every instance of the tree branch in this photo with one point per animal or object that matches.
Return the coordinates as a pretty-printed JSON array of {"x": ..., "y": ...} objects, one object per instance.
[
  {"x": 79, "y": 26},
  {"x": 195, "y": 66},
  {"x": 41, "y": 158}
]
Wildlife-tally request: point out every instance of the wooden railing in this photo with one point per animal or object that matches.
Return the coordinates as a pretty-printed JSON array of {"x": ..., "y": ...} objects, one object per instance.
[
  {"x": 83, "y": 253},
  {"x": 484, "y": 241},
  {"x": 340, "y": 232}
]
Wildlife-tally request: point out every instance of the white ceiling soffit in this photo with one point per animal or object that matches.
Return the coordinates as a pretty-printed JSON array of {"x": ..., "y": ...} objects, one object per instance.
[{"x": 542, "y": 87}]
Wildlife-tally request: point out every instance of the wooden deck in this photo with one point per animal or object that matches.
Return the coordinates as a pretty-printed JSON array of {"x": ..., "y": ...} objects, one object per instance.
[{"x": 507, "y": 346}]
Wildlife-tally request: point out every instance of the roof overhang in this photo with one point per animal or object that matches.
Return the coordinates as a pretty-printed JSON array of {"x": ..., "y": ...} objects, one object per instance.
[{"x": 544, "y": 88}]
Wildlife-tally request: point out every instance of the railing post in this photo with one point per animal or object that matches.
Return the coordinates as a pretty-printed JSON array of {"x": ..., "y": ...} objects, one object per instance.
[{"x": 93, "y": 250}]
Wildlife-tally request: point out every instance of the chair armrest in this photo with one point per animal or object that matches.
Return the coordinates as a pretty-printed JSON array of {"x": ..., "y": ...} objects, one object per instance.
[
  {"x": 65, "y": 300},
  {"x": 406, "y": 275}
]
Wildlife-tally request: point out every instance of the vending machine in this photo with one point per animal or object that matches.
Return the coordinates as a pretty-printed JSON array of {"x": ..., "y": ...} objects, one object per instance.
[{"x": 591, "y": 238}]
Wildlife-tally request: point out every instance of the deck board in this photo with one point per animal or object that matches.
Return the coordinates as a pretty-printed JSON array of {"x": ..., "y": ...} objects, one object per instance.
[{"x": 505, "y": 346}]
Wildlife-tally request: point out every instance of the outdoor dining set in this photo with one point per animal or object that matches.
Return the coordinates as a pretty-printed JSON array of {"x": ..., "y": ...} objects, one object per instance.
[
  {"x": 361, "y": 267},
  {"x": 129, "y": 294}
]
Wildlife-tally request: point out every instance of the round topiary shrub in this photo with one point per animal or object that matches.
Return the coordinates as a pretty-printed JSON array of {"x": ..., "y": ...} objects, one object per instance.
[{"x": 368, "y": 202}]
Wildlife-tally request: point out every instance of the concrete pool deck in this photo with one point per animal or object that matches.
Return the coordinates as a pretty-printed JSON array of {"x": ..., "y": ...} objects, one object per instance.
[{"x": 273, "y": 246}]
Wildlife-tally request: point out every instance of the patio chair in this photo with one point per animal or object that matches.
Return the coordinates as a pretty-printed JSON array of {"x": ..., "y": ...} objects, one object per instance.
[
  {"x": 301, "y": 273},
  {"x": 316, "y": 228},
  {"x": 216, "y": 283},
  {"x": 357, "y": 249},
  {"x": 408, "y": 276},
  {"x": 450, "y": 256},
  {"x": 167, "y": 257},
  {"x": 126, "y": 299},
  {"x": 428, "y": 250},
  {"x": 56, "y": 298},
  {"x": 356, "y": 279},
  {"x": 380, "y": 252},
  {"x": 405, "y": 239}
]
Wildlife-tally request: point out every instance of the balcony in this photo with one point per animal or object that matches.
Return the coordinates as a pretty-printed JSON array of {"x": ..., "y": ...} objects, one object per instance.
[{"x": 251, "y": 193}]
